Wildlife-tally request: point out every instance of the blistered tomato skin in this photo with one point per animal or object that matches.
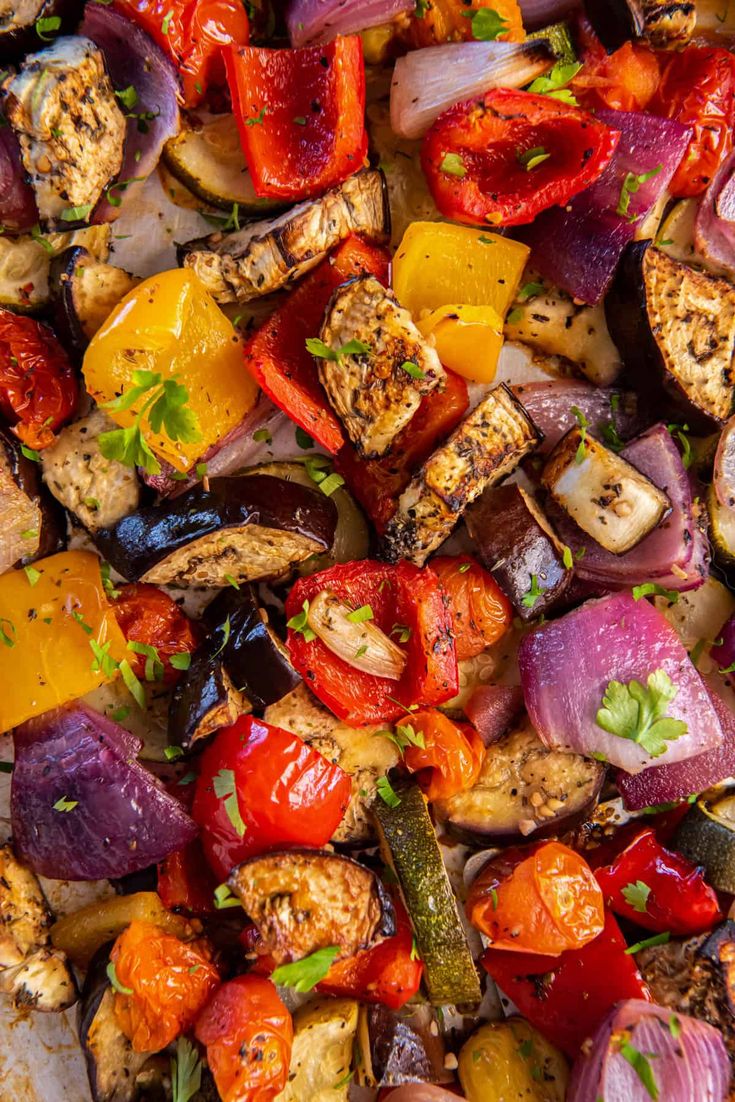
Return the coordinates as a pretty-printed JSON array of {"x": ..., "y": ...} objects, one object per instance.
[
  {"x": 170, "y": 980},
  {"x": 38, "y": 385},
  {"x": 481, "y": 612},
  {"x": 287, "y": 794},
  {"x": 148, "y": 616},
  {"x": 450, "y": 759}
]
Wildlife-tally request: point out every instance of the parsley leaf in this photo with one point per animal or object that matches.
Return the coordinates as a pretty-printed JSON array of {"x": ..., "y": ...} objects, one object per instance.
[
  {"x": 303, "y": 975},
  {"x": 223, "y": 897},
  {"x": 165, "y": 406},
  {"x": 636, "y": 712},
  {"x": 583, "y": 426},
  {"x": 225, "y": 789},
  {"x": 453, "y": 165},
  {"x": 186, "y": 1071},
  {"x": 554, "y": 84},
  {"x": 180, "y": 661},
  {"x": 532, "y": 158},
  {"x": 653, "y": 589},
  {"x": 648, "y": 943},
  {"x": 300, "y": 623},
  {"x": 115, "y": 982},
  {"x": 257, "y": 120},
  {"x": 404, "y": 736},
  {"x": 360, "y": 615},
  {"x": 385, "y": 790},
  {"x": 322, "y": 351},
  {"x": 128, "y": 97},
  {"x": 529, "y": 599},
  {"x": 412, "y": 369},
  {"x": 62, "y": 804},
  {"x": 636, "y": 896},
  {"x": 487, "y": 24},
  {"x": 631, "y": 185},
  {"x": 43, "y": 26},
  {"x": 640, "y": 1064}
]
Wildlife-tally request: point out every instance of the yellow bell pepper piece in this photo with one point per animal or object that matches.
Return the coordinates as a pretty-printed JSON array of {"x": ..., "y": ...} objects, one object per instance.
[
  {"x": 81, "y": 933},
  {"x": 467, "y": 339},
  {"x": 170, "y": 325},
  {"x": 50, "y": 615},
  {"x": 438, "y": 263}
]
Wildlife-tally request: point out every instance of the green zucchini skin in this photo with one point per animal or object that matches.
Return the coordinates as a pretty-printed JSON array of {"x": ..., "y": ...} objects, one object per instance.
[
  {"x": 707, "y": 840},
  {"x": 408, "y": 843}
]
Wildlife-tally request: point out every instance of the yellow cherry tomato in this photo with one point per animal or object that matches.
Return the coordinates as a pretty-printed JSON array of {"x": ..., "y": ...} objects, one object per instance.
[
  {"x": 468, "y": 339},
  {"x": 53, "y": 617},
  {"x": 438, "y": 263},
  {"x": 171, "y": 326}
]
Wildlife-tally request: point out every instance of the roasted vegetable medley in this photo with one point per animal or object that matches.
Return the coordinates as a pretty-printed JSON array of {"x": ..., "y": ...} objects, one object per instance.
[{"x": 367, "y": 550}]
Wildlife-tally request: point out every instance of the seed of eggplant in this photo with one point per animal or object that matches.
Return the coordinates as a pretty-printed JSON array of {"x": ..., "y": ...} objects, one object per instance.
[{"x": 362, "y": 645}]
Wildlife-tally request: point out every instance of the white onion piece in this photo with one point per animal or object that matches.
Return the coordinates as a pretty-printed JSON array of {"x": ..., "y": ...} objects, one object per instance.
[{"x": 427, "y": 82}]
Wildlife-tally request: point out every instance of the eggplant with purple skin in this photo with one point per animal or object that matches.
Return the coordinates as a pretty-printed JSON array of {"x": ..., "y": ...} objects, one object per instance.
[
  {"x": 253, "y": 655},
  {"x": 675, "y": 328},
  {"x": 31, "y": 524},
  {"x": 305, "y": 900},
  {"x": 83, "y": 294},
  {"x": 664, "y": 24},
  {"x": 519, "y": 547},
  {"x": 523, "y": 789},
  {"x": 399, "y": 1048},
  {"x": 246, "y": 528},
  {"x": 203, "y": 701}
]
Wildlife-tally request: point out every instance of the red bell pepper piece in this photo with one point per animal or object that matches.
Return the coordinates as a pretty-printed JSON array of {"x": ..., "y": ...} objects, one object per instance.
[
  {"x": 509, "y": 155},
  {"x": 260, "y": 788},
  {"x": 402, "y": 594},
  {"x": 185, "y": 881},
  {"x": 378, "y": 483},
  {"x": 568, "y": 996},
  {"x": 658, "y": 889},
  {"x": 301, "y": 115},
  {"x": 192, "y": 33},
  {"x": 38, "y": 385},
  {"x": 276, "y": 355}
]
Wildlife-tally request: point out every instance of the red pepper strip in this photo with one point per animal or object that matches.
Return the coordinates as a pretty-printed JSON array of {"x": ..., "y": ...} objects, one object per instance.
[
  {"x": 567, "y": 997},
  {"x": 276, "y": 355},
  {"x": 378, "y": 483},
  {"x": 397, "y": 595},
  {"x": 185, "y": 881},
  {"x": 678, "y": 900},
  {"x": 301, "y": 115},
  {"x": 506, "y": 157},
  {"x": 282, "y": 793},
  {"x": 192, "y": 33},
  {"x": 38, "y": 385}
]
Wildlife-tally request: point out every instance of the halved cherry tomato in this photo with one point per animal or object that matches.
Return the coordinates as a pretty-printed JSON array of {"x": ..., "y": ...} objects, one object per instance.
[
  {"x": 452, "y": 20},
  {"x": 403, "y": 600},
  {"x": 276, "y": 355},
  {"x": 450, "y": 759},
  {"x": 148, "y": 616},
  {"x": 248, "y": 1033},
  {"x": 542, "y": 899},
  {"x": 301, "y": 115},
  {"x": 505, "y": 157},
  {"x": 171, "y": 981},
  {"x": 698, "y": 89},
  {"x": 481, "y": 612},
  {"x": 186, "y": 882},
  {"x": 192, "y": 33},
  {"x": 378, "y": 483},
  {"x": 286, "y": 794},
  {"x": 38, "y": 385},
  {"x": 625, "y": 80}
]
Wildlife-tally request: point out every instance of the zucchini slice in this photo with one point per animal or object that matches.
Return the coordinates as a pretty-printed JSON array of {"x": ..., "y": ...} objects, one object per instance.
[
  {"x": 604, "y": 494},
  {"x": 707, "y": 837},
  {"x": 207, "y": 157},
  {"x": 561, "y": 41},
  {"x": 409, "y": 844},
  {"x": 324, "y": 1034}
]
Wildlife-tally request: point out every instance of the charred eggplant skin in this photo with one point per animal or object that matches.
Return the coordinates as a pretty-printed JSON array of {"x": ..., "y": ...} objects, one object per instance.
[
  {"x": 140, "y": 541},
  {"x": 635, "y": 334},
  {"x": 202, "y": 701},
  {"x": 665, "y": 24},
  {"x": 251, "y": 653},
  {"x": 23, "y": 38},
  {"x": 615, "y": 21}
]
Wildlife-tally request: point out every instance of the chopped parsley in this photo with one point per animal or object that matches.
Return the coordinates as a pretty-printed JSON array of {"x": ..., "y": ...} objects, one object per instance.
[
  {"x": 164, "y": 404},
  {"x": 115, "y": 982},
  {"x": 554, "y": 84},
  {"x": 300, "y": 623},
  {"x": 360, "y": 615},
  {"x": 583, "y": 426},
  {"x": 630, "y": 186},
  {"x": 225, "y": 789},
  {"x": 636, "y": 896},
  {"x": 62, "y": 804},
  {"x": 385, "y": 790},
  {"x": 223, "y": 897},
  {"x": 532, "y": 158},
  {"x": 653, "y": 589},
  {"x": 303, "y": 975},
  {"x": 528, "y": 600},
  {"x": 186, "y": 1070},
  {"x": 452, "y": 165},
  {"x": 637, "y": 712},
  {"x": 487, "y": 24},
  {"x": 322, "y": 351}
]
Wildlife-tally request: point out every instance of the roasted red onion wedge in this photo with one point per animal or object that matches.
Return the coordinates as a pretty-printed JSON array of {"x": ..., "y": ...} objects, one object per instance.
[
  {"x": 18, "y": 209},
  {"x": 642, "y": 1051},
  {"x": 724, "y": 474},
  {"x": 567, "y": 667},
  {"x": 714, "y": 228},
  {"x": 610, "y": 413},
  {"x": 492, "y": 708},
  {"x": 312, "y": 22},
  {"x": 82, "y": 807}
]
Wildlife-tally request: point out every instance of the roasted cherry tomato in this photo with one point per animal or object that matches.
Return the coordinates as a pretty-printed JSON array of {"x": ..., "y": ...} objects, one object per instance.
[
  {"x": 192, "y": 33},
  {"x": 301, "y": 115},
  {"x": 170, "y": 980},
  {"x": 481, "y": 613},
  {"x": 450, "y": 759},
  {"x": 453, "y": 20},
  {"x": 698, "y": 89},
  {"x": 658, "y": 889},
  {"x": 542, "y": 899},
  {"x": 625, "y": 80},
  {"x": 248, "y": 1033},
  {"x": 259, "y": 788},
  {"x": 405, "y": 603},
  {"x": 38, "y": 386},
  {"x": 567, "y": 998},
  {"x": 149, "y": 618},
  {"x": 186, "y": 882},
  {"x": 378, "y": 483},
  {"x": 276, "y": 355},
  {"x": 507, "y": 156}
]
